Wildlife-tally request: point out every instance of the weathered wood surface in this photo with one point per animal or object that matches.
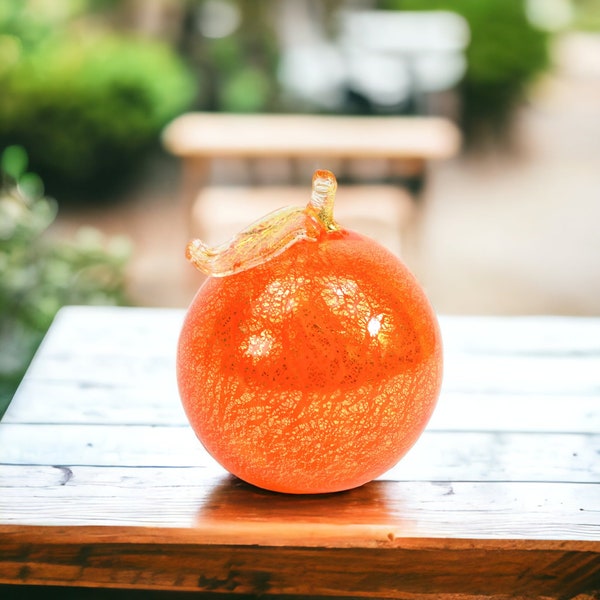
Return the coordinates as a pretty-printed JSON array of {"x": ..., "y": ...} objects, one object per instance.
[{"x": 102, "y": 482}]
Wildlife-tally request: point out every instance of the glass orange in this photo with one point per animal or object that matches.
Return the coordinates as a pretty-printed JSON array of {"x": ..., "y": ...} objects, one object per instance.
[{"x": 310, "y": 361}]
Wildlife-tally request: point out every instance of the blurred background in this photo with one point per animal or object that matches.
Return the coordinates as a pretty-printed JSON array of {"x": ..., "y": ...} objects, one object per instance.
[{"x": 90, "y": 208}]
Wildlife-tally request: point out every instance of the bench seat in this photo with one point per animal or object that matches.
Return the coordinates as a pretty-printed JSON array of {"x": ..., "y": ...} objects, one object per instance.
[{"x": 383, "y": 212}]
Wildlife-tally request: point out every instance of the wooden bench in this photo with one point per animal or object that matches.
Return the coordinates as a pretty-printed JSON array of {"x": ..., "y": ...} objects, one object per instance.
[
  {"x": 382, "y": 212},
  {"x": 103, "y": 484},
  {"x": 404, "y": 144}
]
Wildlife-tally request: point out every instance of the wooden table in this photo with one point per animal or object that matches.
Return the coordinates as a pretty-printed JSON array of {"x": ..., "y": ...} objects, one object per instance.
[
  {"x": 408, "y": 143},
  {"x": 103, "y": 484}
]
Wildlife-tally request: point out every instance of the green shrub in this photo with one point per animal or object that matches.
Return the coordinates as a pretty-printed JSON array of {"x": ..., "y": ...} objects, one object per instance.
[
  {"x": 586, "y": 15},
  {"x": 87, "y": 106},
  {"x": 41, "y": 274}
]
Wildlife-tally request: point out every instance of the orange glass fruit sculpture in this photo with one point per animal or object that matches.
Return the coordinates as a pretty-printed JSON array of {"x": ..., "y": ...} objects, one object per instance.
[{"x": 310, "y": 360}]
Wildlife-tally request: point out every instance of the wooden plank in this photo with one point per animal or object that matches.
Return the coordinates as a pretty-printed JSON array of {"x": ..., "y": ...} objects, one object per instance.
[
  {"x": 535, "y": 413},
  {"x": 415, "y": 573},
  {"x": 211, "y": 135},
  {"x": 217, "y": 508},
  {"x": 522, "y": 335},
  {"x": 105, "y": 329},
  {"x": 505, "y": 374},
  {"x": 437, "y": 456},
  {"x": 549, "y": 375},
  {"x": 70, "y": 402},
  {"x": 133, "y": 345},
  {"x": 139, "y": 348},
  {"x": 143, "y": 445},
  {"x": 157, "y": 401},
  {"x": 115, "y": 340}
]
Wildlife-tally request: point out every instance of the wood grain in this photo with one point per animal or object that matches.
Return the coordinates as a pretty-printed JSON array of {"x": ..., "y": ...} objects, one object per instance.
[
  {"x": 223, "y": 510},
  {"x": 103, "y": 483},
  {"x": 304, "y": 572},
  {"x": 157, "y": 402},
  {"x": 437, "y": 456}
]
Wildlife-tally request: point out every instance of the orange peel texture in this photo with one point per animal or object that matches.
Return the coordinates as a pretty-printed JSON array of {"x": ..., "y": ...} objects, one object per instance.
[{"x": 316, "y": 368}]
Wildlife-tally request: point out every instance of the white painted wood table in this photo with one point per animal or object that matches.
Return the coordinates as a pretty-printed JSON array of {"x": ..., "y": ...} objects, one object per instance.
[{"x": 103, "y": 484}]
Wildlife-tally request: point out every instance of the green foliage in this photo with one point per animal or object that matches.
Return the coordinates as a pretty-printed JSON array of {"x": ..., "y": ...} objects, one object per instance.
[
  {"x": 39, "y": 274},
  {"x": 238, "y": 70},
  {"x": 504, "y": 54},
  {"x": 87, "y": 105},
  {"x": 587, "y": 15},
  {"x": 247, "y": 90}
]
